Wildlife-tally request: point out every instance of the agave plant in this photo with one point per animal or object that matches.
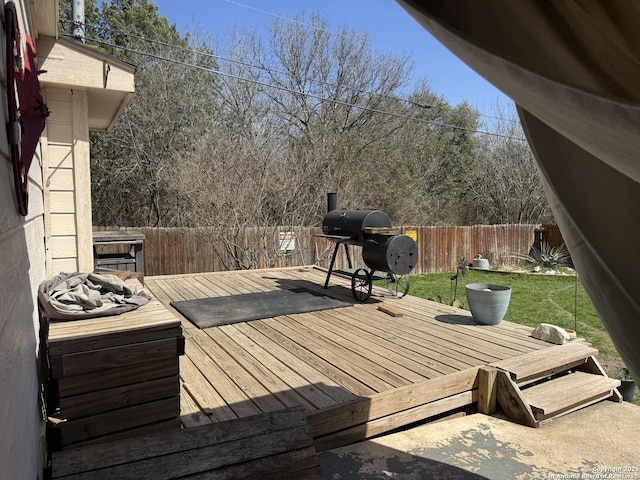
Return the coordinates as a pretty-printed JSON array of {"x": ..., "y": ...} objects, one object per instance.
[{"x": 547, "y": 256}]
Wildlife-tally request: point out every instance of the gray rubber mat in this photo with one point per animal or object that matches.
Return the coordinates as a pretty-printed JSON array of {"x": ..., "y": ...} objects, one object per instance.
[{"x": 216, "y": 311}]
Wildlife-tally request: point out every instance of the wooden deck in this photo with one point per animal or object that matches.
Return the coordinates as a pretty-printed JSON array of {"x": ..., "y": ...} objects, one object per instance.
[{"x": 357, "y": 371}]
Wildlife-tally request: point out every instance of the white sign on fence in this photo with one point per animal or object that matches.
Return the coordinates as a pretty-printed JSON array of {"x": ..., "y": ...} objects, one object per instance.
[{"x": 287, "y": 241}]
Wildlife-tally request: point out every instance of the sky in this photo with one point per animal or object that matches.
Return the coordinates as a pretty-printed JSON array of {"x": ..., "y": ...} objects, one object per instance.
[{"x": 390, "y": 28}]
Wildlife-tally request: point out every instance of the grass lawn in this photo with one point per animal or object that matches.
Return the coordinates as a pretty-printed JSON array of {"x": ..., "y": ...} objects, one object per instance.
[{"x": 535, "y": 299}]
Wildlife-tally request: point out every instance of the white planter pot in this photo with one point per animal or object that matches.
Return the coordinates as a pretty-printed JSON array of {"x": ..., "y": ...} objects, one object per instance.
[{"x": 480, "y": 263}]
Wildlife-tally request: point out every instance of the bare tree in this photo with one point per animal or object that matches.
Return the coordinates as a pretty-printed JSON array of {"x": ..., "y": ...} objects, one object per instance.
[
  {"x": 248, "y": 147},
  {"x": 297, "y": 119},
  {"x": 331, "y": 95},
  {"x": 505, "y": 183}
]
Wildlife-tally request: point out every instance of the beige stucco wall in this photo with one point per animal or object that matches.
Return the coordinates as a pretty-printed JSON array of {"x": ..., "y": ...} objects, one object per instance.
[{"x": 22, "y": 268}]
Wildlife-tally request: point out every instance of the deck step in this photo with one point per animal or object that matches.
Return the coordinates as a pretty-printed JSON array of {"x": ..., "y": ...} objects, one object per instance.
[
  {"x": 536, "y": 387},
  {"x": 547, "y": 361},
  {"x": 567, "y": 393},
  {"x": 269, "y": 445}
]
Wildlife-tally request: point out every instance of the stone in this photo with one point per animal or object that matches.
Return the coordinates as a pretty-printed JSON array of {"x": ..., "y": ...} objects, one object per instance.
[{"x": 551, "y": 333}]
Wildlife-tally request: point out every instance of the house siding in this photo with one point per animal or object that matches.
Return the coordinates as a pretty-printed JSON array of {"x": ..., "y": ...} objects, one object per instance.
[
  {"x": 67, "y": 182},
  {"x": 22, "y": 269},
  {"x": 56, "y": 235}
]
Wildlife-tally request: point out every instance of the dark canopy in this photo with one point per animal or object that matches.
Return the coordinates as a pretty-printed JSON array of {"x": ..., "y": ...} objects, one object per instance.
[{"x": 573, "y": 69}]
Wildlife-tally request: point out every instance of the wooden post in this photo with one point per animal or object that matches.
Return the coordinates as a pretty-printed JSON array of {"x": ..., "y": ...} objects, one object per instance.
[{"x": 487, "y": 390}]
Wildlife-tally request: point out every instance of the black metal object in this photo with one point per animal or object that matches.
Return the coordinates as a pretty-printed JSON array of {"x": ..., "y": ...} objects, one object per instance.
[
  {"x": 382, "y": 250},
  {"x": 132, "y": 259},
  {"x": 353, "y": 223},
  {"x": 397, "y": 254},
  {"x": 332, "y": 201}
]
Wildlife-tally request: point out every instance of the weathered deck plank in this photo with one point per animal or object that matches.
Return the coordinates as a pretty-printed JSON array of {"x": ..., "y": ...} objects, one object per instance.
[
  {"x": 310, "y": 377},
  {"x": 357, "y": 351},
  {"x": 273, "y": 384},
  {"x": 204, "y": 395},
  {"x": 316, "y": 362},
  {"x": 408, "y": 344},
  {"x": 352, "y": 329},
  {"x": 190, "y": 413},
  {"x": 234, "y": 396},
  {"x": 312, "y": 397},
  {"x": 273, "y": 445},
  {"x": 339, "y": 360},
  {"x": 354, "y": 370},
  {"x": 350, "y": 372},
  {"x": 445, "y": 353}
]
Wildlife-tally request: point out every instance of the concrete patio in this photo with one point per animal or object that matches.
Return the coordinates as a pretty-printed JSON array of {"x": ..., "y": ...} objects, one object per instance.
[{"x": 601, "y": 441}]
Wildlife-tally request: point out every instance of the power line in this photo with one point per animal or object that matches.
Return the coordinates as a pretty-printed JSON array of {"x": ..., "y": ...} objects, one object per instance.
[
  {"x": 269, "y": 70},
  {"x": 305, "y": 94},
  {"x": 194, "y": 51},
  {"x": 292, "y": 20},
  {"x": 172, "y": 45}
]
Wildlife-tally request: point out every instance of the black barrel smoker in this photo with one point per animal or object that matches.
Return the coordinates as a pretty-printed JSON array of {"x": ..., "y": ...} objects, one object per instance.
[{"x": 382, "y": 249}]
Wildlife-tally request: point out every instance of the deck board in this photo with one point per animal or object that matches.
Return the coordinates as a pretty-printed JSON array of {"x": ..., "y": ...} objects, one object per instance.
[
  {"x": 338, "y": 359},
  {"x": 207, "y": 398},
  {"x": 273, "y": 385},
  {"x": 396, "y": 341},
  {"x": 446, "y": 353},
  {"x": 320, "y": 364},
  {"x": 363, "y": 346},
  {"x": 284, "y": 377},
  {"x": 309, "y": 377},
  {"x": 240, "y": 390},
  {"x": 401, "y": 356},
  {"x": 344, "y": 366}
]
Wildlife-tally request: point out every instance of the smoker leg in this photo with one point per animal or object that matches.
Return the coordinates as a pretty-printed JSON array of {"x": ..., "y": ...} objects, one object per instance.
[
  {"x": 333, "y": 260},
  {"x": 346, "y": 249}
]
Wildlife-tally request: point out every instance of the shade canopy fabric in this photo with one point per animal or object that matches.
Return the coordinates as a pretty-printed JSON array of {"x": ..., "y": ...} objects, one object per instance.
[{"x": 573, "y": 70}]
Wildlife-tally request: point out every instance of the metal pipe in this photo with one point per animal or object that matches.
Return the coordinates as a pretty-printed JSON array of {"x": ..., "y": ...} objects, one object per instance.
[{"x": 77, "y": 15}]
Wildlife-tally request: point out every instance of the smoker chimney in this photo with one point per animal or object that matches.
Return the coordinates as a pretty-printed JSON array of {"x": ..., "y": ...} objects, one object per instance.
[{"x": 332, "y": 201}]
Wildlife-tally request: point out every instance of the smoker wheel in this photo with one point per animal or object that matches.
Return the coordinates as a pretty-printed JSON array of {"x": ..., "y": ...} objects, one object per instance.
[
  {"x": 398, "y": 285},
  {"x": 361, "y": 285}
]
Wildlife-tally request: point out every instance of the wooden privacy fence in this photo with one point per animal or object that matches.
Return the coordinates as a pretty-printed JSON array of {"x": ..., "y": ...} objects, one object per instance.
[{"x": 170, "y": 251}]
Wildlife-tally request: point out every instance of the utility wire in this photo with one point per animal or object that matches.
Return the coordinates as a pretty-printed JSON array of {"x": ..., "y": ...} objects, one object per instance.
[
  {"x": 305, "y": 94},
  {"x": 271, "y": 70},
  {"x": 292, "y": 20}
]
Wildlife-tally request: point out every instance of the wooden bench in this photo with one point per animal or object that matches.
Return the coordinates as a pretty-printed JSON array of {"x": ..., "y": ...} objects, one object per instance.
[{"x": 274, "y": 445}]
